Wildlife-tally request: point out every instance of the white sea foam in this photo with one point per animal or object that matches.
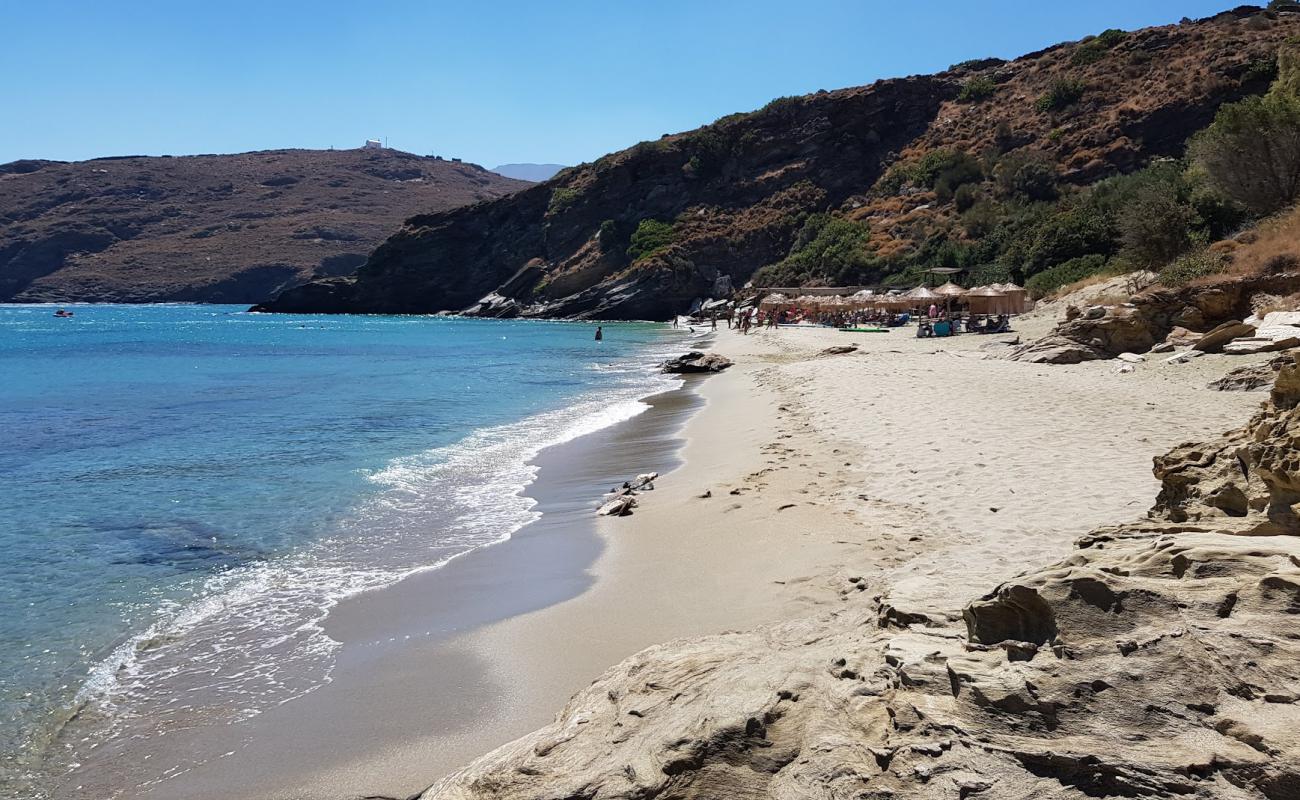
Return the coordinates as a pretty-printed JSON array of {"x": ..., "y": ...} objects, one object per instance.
[{"x": 254, "y": 636}]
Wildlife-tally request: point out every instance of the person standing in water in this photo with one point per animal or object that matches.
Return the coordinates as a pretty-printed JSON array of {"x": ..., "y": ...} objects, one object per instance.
[{"x": 600, "y": 334}]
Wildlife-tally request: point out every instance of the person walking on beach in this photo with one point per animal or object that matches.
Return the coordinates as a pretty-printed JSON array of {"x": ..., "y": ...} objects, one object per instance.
[
  {"x": 715, "y": 320},
  {"x": 600, "y": 334}
]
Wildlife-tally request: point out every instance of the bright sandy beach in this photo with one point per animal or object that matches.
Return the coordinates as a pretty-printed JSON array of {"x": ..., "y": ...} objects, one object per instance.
[{"x": 919, "y": 471}]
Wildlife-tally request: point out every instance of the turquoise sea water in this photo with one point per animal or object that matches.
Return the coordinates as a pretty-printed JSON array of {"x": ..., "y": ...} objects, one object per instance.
[{"x": 186, "y": 489}]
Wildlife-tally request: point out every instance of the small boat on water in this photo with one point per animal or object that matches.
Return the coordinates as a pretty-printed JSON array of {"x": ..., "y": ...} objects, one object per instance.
[{"x": 62, "y": 313}]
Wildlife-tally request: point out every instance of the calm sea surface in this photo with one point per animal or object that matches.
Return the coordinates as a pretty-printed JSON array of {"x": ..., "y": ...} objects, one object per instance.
[{"x": 185, "y": 490}]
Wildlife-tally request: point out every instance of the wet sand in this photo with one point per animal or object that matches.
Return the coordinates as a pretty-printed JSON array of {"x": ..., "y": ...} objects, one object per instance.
[{"x": 401, "y": 642}]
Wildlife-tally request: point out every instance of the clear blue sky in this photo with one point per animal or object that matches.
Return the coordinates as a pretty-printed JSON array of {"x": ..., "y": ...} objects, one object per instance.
[{"x": 487, "y": 81}]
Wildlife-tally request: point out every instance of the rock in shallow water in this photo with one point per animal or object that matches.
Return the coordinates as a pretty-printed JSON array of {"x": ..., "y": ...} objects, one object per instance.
[{"x": 696, "y": 361}]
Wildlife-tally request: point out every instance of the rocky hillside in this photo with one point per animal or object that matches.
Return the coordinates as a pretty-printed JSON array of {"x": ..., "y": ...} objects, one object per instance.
[
  {"x": 900, "y": 167},
  {"x": 1159, "y": 660},
  {"x": 212, "y": 228}
]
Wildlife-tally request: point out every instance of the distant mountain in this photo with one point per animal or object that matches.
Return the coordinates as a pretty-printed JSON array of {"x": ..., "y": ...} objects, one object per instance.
[
  {"x": 213, "y": 228},
  {"x": 529, "y": 172}
]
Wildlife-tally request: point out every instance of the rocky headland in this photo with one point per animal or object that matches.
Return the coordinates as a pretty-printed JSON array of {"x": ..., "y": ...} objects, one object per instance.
[
  {"x": 213, "y": 228},
  {"x": 925, "y": 170}
]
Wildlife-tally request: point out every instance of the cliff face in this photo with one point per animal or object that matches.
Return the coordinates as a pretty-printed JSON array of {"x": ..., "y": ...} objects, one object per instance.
[
  {"x": 213, "y": 228},
  {"x": 1159, "y": 660},
  {"x": 731, "y": 197}
]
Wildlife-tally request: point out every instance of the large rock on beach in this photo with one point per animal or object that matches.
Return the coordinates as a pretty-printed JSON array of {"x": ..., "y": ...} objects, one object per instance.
[
  {"x": 1216, "y": 339},
  {"x": 1165, "y": 315},
  {"x": 695, "y": 361},
  {"x": 1159, "y": 659}
]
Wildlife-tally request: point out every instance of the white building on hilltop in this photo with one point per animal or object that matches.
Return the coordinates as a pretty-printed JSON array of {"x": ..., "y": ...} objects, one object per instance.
[{"x": 373, "y": 144}]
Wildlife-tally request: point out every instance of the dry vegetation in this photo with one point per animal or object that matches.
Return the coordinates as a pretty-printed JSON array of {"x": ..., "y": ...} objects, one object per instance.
[{"x": 1270, "y": 247}]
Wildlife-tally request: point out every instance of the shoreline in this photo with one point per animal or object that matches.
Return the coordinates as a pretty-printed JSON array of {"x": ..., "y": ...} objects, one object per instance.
[
  {"x": 833, "y": 488},
  {"x": 834, "y": 498},
  {"x": 387, "y": 634}
]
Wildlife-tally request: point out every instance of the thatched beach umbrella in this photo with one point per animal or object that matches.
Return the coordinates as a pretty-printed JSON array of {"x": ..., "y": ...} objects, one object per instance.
[
  {"x": 987, "y": 300},
  {"x": 922, "y": 293},
  {"x": 949, "y": 289},
  {"x": 1017, "y": 297}
]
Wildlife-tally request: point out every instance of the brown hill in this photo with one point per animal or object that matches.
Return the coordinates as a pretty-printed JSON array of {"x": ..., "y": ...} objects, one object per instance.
[
  {"x": 643, "y": 232},
  {"x": 212, "y": 228}
]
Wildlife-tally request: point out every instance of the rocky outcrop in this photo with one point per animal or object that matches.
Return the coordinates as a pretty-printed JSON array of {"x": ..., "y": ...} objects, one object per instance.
[
  {"x": 1251, "y": 378},
  {"x": 696, "y": 362},
  {"x": 734, "y": 194},
  {"x": 235, "y": 228},
  {"x": 1161, "y": 315},
  {"x": 1160, "y": 659},
  {"x": 1215, "y": 340}
]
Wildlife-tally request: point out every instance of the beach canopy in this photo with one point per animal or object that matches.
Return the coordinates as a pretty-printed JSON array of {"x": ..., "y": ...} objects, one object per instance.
[
  {"x": 950, "y": 289},
  {"x": 988, "y": 300},
  {"x": 892, "y": 301},
  {"x": 1017, "y": 297},
  {"x": 922, "y": 293}
]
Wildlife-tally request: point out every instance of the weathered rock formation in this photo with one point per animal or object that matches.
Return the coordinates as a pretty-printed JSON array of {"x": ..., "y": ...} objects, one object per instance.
[
  {"x": 1160, "y": 659},
  {"x": 732, "y": 196},
  {"x": 1251, "y": 378},
  {"x": 1215, "y": 311},
  {"x": 214, "y": 228}
]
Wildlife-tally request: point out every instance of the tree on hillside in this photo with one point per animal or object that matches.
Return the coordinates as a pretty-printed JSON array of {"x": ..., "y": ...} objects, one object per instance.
[
  {"x": 1251, "y": 152},
  {"x": 1156, "y": 228}
]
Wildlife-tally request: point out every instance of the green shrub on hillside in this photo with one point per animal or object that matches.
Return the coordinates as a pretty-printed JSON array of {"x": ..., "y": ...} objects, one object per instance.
[
  {"x": 1065, "y": 273},
  {"x": 1062, "y": 93},
  {"x": 826, "y": 249},
  {"x": 943, "y": 170},
  {"x": 1111, "y": 37},
  {"x": 1027, "y": 175},
  {"x": 980, "y": 87},
  {"x": 561, "y": 198},
  {"x": 782, "y": 104},
  {"x": 1260, "y": 70},
  {"x": 1074, "y": 232},
  {"x": 981, "y": 219},
  {"x": 977, "y": 63},
  {"x": 1096, "y": 48},
  {"x": 651, "y": 236},
  {"x": 1191, "y": 266},
  {"x": 965, "y": 197},
  {"x": 1156, "y": 228},
  {"x": 1252, "y": 151},
  {"x": 608, "y": 234}
]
